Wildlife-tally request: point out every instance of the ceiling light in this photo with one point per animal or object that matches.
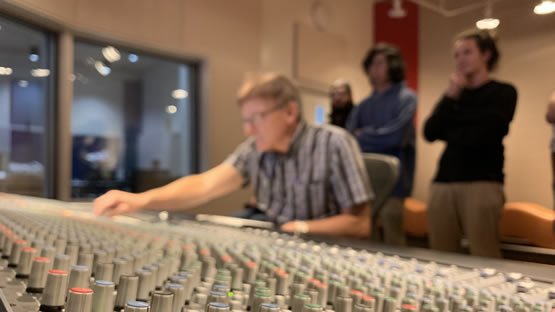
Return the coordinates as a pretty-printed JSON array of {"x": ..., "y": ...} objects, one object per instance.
[
  {"x": 171, "y": 109},
  {"x": 179, "y": 94},
  {"x": 545, "y": 7},
  {"x": 397, "y": 10},
  {"x": 103, "y": 69},
  {"x": 487, "y": 23},
  {"x": 23, "y": 83},
  {"x": 133, "y": 58},
  {"x": 40, "y": 72},
  {"x": 111, "y": 54},
  {"x": 5, "y": 71},
  {"x": 34, "y": 54}
]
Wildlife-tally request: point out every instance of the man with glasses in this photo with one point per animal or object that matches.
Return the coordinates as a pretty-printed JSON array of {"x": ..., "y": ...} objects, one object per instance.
[
  {"x": 341, "y": 102},
  {"x": 305, "y": 178}
]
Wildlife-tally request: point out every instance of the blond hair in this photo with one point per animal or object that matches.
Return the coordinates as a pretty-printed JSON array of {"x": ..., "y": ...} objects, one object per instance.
[{"x": 269, "y": 86}]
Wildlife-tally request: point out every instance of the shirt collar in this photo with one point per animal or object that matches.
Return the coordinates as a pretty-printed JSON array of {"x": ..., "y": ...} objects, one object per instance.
[{"x": 393, "y": 88}]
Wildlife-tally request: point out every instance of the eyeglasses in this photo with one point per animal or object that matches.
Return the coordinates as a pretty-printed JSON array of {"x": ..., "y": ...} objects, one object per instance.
[{"x": 258, "y": 117}]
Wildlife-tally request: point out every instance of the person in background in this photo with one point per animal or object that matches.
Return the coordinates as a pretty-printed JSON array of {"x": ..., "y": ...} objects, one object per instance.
[
  {"x": 306, "y": 179},
  {"x": 383, "y": 123},
  {"x": 550, "y": 117},
  {"x": 472, "y": 117},
  {"x": 341, "y": 102}
]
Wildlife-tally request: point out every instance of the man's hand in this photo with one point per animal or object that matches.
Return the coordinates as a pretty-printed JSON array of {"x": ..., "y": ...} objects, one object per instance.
[
  {"x": 457, "y": 82},
  {"x": 117, "y": 202},
  {"x": 288, "y": 227},
  {"x": 357, "y": 132},
  {"x": 296, "y": 226}
]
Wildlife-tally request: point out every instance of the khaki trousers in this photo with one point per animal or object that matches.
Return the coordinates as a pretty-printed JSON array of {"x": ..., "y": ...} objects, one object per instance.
[{"x": 472, "y": 209}]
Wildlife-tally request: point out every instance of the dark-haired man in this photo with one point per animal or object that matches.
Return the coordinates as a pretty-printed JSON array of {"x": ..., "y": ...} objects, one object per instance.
[{"x": 383, "y": 123}]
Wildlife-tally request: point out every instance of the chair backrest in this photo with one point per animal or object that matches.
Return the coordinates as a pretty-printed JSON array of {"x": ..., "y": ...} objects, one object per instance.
[{"x": 383, "y": 172}]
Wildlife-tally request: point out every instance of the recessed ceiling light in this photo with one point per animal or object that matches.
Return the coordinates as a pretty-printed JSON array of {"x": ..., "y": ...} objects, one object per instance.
[
  {"x": 102, "y": 68},
  {"x": 5, "y": 71},
  {"x": 545, "y": 7},
  {"x": 40, "y": 72},
  {"x": 171, "y": 109},
  {"x": 111, "y": 54},
  {"x": 133, "y": 58},
  {"x": 487, "y": 23},
  {"x": 179, "y": 94}
]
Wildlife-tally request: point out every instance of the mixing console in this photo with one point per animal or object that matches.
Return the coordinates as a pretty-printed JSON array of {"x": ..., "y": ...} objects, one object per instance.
[{"x": 57, "y": 256}]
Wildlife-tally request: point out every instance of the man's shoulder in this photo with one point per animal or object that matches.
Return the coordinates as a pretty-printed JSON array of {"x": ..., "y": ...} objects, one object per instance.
[
  {"x": 406, "y": 93},
  {"x": 336, "y": 134},
  {"x": 503, "y": 86}
]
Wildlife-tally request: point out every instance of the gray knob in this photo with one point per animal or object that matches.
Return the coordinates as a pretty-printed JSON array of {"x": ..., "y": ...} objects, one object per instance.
[
  {"x": 217, "y": 307},
  {"x": 216, "y": 296},
  {"x": 442, "y": 304},
  {"x": 299, "y": 301},
  {"x": 86, "y": 259},
  {"x": 99, "y": 256},
  {"x": 362, "y": 308},
  {"x": 282, "y": 282},
  {"x": 368, "y": 301},
  {"x": 237, "y": 278},
  {"x": 269, "y": 307},
  {"x": 54, "y": 294},
  {"x": 38, "y": 276},
  {"x": 60, "y": 245},
  {"x": 7, "y": 245},
  {"x": 178, "y": 292},
  {"x": 104, "y": 271},
  {"x": 121, "y": 267},
  {"x": 136, "y": 306},
  {"x": 310, "y": 307},
  {"x": 322, "y": 294},
  {"x": 343, "y": 304},
  {"x": 357, "y": 296},
  {"x": 200, "y": 299},
  {"x": 221, "y": 288},
  {"x": 37, "y": 244},
  {"x": 162, "y": 301},
  {"x": 79, "y": 300},
  {"x": 185, "y": 282},
  {"x": 61, "y": 262},
  {"x": 250, "y": 269},
  {"x": 296, "y": 289},
  {"x": 313, "y": 293},
  {"x": 17, "y": 247},
  {"x": 127, "y": 290},
  {"x": 146, "y": 285},
  {"x": 103, "y": 296},
  {"x": 48, "y": 252},
  {"x": 79, "y": 277},
  {"x": 408, "y": 308},
  {"x": 389, "y": 304},
  {"x": 25, "y": 262},
  {"x": 235, "y": 305},
  {"x": 73, "y": 252},
  {"x": 259, "y": 299},
  {"x": 154, "y": 270}
]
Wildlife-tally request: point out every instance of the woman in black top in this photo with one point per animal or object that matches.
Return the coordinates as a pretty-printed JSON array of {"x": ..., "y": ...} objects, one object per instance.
[{"x": 472, "y": 117}]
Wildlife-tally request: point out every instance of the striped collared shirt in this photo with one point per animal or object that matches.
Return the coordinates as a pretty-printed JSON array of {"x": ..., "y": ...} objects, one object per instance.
[{"x": 321, "y": 175}]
